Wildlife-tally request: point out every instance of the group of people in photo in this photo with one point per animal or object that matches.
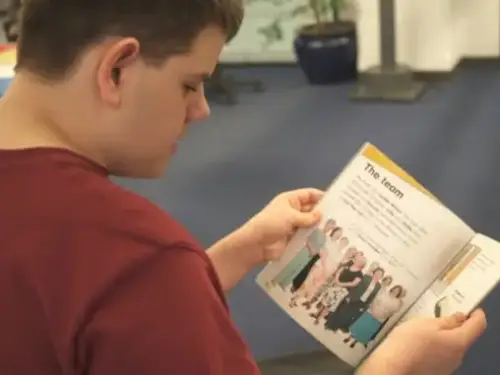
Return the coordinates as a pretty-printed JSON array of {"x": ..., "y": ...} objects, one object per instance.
[{"x": 333, "y": 281}]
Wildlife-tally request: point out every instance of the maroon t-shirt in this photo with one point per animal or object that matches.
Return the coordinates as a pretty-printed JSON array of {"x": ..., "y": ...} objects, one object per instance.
[{"x": 96, "y": 280}]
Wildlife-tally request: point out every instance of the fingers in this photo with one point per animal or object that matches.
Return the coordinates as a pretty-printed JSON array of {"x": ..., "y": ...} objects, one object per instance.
[
  {"x": 473, "y": 328},
  {"x": 306, "y": 196},
  {"x": 306, "y": 219},
  {"x": 452, "y": 321},
  {"x": 307, "y": 207}
]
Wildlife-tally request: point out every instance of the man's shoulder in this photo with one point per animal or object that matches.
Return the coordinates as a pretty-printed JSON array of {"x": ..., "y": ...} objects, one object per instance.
[
  {"x": 107, "y": 206},
  {"x": 64, "y": 189}
]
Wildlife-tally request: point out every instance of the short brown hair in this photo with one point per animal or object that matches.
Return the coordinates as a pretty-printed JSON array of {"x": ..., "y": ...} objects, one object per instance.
[{"x": 54, "y": 33}]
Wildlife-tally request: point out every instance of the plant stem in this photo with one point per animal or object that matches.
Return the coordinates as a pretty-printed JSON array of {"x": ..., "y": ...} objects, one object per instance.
[
  {"x": 315, "y": 8},
  {"x": 334, "y": 6}
]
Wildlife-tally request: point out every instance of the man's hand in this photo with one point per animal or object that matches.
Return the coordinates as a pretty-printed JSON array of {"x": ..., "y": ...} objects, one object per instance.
[
  {"x": 272, "y": 227},
  {"x": 265, "y": 236},
  {"x": 426, "y": 346}
]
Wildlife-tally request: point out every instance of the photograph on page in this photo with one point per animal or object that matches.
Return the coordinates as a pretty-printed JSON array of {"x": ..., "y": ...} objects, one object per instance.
[
  {"x": 340, "y": 290},
  {"x": 380, "y": 243}
]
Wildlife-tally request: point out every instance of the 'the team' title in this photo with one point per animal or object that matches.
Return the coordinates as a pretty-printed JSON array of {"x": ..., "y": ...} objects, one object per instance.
[{"x": 372, "y": 171}]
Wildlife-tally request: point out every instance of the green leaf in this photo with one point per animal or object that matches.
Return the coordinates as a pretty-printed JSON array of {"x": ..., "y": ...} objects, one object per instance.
[
  {"x": 279, "y": 3},
  {"x": 276, "y": 3},
  {"x": 319, "y": 7},
  {"x": 272, "y": 32},
  {"x": 299, "y": 10},
  {"x": 336, "y": 7},
  {"x": 278, "y": 31},
  {"x": 323, "y": 7}
]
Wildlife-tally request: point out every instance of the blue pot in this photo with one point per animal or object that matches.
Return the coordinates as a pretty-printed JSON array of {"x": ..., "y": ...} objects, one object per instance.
[{"x": 330, "y": 56}]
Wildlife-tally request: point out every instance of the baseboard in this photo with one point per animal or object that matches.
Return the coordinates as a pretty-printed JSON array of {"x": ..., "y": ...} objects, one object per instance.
[
  {"x": 466, "y": 62},
  {"x": 258, "y": 64},
  {"x": 425, "y": 76},
  {"x": 434, "y": 76},
  {"x": 316, "y": 362},
  {"x": 472, "y": 62},
  {"x": 294, "y": 358}
]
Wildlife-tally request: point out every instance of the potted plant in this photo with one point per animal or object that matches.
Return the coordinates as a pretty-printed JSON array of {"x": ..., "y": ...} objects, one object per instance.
[{"x": 326, "y": 47}]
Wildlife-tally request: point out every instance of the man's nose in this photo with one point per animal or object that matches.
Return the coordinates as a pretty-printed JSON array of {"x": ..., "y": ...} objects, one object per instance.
[{"x": 200, "y": 110}]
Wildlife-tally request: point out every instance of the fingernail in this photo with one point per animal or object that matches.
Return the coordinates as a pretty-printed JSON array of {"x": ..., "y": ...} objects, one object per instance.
[{"x": 460, "y": 317}]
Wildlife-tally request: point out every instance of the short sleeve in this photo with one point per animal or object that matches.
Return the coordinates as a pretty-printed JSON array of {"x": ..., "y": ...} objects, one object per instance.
[{"x": 164, "y": 317}]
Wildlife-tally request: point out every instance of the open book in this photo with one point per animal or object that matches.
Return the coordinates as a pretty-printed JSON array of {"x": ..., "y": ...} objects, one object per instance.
[
  {"x": 385, "y": 251},
  {"x": 7, "y": 62}
]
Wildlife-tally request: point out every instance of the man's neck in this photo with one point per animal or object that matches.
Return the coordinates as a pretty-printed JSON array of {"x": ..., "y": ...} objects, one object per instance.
[{"x": 29, "y": 119}]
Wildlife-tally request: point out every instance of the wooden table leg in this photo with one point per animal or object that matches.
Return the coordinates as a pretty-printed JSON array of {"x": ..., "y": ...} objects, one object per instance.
[{"x": 228, "y": 86}]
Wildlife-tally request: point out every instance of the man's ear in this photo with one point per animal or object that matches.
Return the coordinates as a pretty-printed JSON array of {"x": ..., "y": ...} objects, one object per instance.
[{"x": 110, "y": 75}]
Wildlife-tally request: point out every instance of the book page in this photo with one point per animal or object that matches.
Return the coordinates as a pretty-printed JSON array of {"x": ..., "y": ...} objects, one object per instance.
[
  {"x": 7, "y": 54},
  {"x": 382, "y": 241},
  {"x": 464, "y": 283}
]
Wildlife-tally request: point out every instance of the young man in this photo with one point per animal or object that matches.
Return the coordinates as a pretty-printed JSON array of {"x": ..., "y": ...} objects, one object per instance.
[{"x": 97, "y": 280}]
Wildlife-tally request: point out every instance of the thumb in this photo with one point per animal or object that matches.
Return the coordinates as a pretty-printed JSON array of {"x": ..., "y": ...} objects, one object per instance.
[
  {"x": 451, "y": 321},
  {"x": 306, "y": 219},
  {"x": 473, "y": 327}
]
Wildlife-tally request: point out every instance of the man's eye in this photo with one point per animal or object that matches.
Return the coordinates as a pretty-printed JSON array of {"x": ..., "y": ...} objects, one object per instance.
[{"x": 189, "y": 88}]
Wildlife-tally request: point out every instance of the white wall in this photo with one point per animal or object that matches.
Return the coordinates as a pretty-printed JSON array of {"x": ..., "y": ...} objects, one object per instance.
[
  {"x": 248, "y": 44},
  {"x": 425, "y": 37},
  {"x": 432, "y": 35},
  {"x": 481, "y": 27}
]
